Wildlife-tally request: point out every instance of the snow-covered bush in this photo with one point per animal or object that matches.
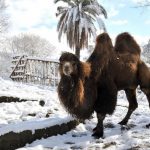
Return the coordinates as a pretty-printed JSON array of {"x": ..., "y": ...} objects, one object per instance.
[
  {"x": 31, "y": 45},
  {"x": 146, "y": 52},
  {"x": 5, "y": 64},
  {"x": 3, "y": 17},
  {"x": 23, "y": 44}
]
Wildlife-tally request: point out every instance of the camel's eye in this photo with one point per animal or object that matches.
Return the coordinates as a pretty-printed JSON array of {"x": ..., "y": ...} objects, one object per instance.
[
  {"x": 73, "y": 63},
  {"x": 61, "y": 61}
]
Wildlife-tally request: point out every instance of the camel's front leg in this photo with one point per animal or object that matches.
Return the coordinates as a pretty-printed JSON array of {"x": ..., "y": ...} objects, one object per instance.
[{"x": 99, "y": 129}]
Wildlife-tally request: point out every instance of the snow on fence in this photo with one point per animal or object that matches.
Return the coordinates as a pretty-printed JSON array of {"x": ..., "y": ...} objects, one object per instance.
[{"x": 35, "y": 70}]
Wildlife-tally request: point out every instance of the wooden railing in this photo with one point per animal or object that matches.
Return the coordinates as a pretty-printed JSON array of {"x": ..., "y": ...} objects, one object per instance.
[{"x": 35, "y": 70}]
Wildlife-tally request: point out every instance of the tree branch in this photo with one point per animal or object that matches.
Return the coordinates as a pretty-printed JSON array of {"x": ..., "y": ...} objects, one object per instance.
[{"x": 143, "y": 4}]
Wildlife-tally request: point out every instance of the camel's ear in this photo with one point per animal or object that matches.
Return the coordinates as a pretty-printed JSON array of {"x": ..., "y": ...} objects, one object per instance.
[
  {"x": 86, "y": 69},
  {"x": 60, "y": 58}
]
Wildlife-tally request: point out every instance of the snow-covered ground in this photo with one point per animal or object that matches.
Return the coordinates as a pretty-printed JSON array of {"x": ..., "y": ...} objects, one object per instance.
[
  {"x": 133, "y": 136},
  {"x": 29, "y": 112}
]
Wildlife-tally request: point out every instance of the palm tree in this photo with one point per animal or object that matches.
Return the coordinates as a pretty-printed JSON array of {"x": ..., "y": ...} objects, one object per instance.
[{"x": 77, "y": 22}]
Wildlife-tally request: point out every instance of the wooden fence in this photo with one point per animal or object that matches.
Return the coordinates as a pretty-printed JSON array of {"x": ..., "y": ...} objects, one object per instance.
[{"x": 34, "y": 70}]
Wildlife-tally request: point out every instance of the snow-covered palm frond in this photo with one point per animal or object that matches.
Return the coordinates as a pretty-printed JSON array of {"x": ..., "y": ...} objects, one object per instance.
[
  {"x": 95, "y": 9},
  {"x": 62, "y": 24},
  {"x": 69, "y": 2},
  {"x": 61, "y": 10},
  {"x": 77, "y": 21},
  {"x": 101, "y": 23}
]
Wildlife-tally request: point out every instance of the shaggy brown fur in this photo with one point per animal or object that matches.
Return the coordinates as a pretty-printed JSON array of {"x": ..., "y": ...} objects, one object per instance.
[
  {"x": 119, "y": 69},
  {"x": 86, "y": 69},
  {"x": 93, "y": 86},
  {"x": 101, "y": 55},
  {"x": 125, "y": 43},
  {"x": 74, "y": 90}
]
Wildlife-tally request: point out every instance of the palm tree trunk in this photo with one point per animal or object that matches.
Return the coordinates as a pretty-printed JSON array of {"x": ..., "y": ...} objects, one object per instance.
[{"x": 77, "y": 52}]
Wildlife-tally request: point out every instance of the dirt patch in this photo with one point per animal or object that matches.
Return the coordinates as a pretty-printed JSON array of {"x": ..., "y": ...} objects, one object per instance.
[
  {"x": 12, "y": 140},
  {"x": 5, "y": 99}
]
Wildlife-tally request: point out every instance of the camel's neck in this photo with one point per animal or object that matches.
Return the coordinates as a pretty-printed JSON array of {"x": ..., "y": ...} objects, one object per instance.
[
  {"x": 72, "y": 80},
  {"x": 76, "y": 97},
  {"x": 73, "y": 87},
  {"x": 68, "y": 83},
  {"x": 77, "y": 81}
]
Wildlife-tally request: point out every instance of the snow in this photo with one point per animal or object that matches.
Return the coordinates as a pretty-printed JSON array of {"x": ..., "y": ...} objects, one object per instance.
[
  {"x": 20, "y": 116},
  {"x": 148, "y": 64},
  {"x": 34, "y": 124},
  {"x": 16, "y": 117},
  {"x": 135, "y": 135},
  {"x": 14, "y": 89}
]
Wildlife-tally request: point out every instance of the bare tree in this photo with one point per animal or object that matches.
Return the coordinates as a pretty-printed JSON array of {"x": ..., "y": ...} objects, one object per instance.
[
  {"x": 5, "y": 63},
  {"x": 146, "y": 52},
  {"x": 3, "y": 17},
  {"x": 31, "y": 45},
  {"x": 143, "y": 3}
]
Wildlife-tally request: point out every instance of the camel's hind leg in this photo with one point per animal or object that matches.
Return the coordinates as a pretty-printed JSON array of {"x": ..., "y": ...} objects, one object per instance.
[
  {"x": 131, "y": 96},
  {"x": 146, "y": 91},
  {"x": 144, "y": 79}
]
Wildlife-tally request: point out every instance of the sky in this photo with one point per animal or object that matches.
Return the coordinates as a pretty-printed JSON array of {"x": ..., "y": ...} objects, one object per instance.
[{"x": 38, "y": 17}]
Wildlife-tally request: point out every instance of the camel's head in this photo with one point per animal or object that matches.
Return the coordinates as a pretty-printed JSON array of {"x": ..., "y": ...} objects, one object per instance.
[{"x": 69, "y": 64}]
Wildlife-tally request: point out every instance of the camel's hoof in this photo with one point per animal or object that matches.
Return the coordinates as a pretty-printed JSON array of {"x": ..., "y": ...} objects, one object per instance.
[
  {"x": 123, "y": 122},
  {"x": 148, "y": 126},
  {"x": 94, "y": 129},
  {"x": 98, "y": 135}
]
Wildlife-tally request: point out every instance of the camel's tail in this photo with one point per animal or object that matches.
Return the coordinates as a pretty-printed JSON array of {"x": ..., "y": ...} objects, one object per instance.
[{"x": 126, "y": 43}]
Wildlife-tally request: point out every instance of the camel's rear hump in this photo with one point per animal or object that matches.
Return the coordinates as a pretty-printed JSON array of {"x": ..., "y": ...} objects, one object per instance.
[{"x": 126, "y": 43}]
